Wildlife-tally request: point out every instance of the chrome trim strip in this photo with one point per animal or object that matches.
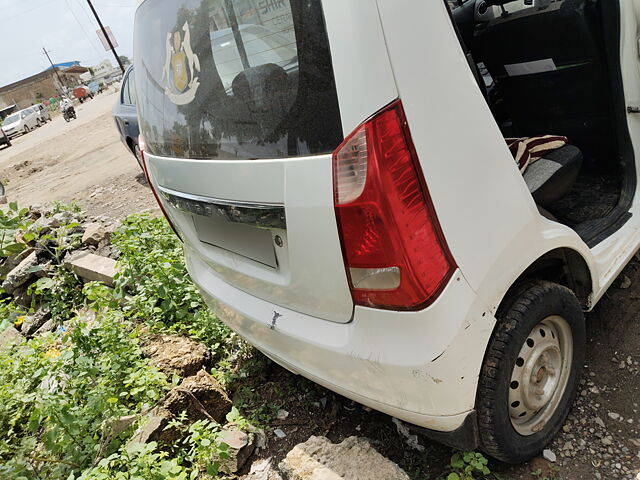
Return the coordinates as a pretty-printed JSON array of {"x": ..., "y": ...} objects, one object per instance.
[
  {"x": 258, "y": 215},
  {"x": 218, "y": 201}
]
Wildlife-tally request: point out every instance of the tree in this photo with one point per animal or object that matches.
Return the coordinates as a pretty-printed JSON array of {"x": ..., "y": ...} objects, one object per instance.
[{"x": 124, "y": 59}]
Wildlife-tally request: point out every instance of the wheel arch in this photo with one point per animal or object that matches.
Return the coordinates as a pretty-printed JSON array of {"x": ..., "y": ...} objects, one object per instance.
[
  {"x": 564, "y": 266},
  {"x": 130, "y": 144}
]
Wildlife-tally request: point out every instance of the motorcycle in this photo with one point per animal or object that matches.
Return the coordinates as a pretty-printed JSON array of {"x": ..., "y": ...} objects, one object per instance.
[{"x": 69, "y": 113}]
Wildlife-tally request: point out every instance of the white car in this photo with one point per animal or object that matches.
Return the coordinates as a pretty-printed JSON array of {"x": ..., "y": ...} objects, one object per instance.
[
  {"x": 21, "y": 122},
  {"x": 356, "y": 213},
  {"x": 43, "y": 113}
]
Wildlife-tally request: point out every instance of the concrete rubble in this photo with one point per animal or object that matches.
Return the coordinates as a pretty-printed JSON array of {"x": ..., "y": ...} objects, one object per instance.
[
  {"x": 20, "y": 274},
  {"x": 318, "y": 458},
  {"x": 94, "y": 233},
  {"x": 91, "y": 267}
]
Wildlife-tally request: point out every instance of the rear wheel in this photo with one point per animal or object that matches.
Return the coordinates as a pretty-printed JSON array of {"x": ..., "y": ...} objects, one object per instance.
[
  {"x": 531, "y": 371},
  {"x": 38, "y": 122}
]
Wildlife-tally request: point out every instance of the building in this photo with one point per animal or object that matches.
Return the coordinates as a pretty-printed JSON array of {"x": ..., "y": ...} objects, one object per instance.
[
  {"x": 39, "y": 87},
  {"x": 104, "y": 72},
  {"x": 64, "y": 65}
]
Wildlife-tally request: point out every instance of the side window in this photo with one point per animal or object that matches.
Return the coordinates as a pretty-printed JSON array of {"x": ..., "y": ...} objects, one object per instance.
[
  {"x": 131, "y": 82},
  {"x": 126, "y": 97}
]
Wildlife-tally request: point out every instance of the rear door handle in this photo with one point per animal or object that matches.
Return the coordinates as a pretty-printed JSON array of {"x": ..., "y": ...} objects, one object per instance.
[{"x": 126, "y": 122}]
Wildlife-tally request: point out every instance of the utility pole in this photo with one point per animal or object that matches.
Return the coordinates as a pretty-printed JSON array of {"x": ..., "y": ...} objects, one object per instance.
[
  {"x": 62, "y": 84},
  {"x": 106, "y": 36}
]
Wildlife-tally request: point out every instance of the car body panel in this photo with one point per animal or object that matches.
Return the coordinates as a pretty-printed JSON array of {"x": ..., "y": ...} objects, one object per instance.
[
  {"x": 314, "y": 284},
  {"x": 404, "y": 370},
  {"x": 125, "y": 116}
]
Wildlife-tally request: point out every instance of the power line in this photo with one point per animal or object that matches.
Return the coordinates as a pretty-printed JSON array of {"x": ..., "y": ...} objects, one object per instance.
[
  {"x": 25, "y": 12},
  {"x": 82, "y": 27}
]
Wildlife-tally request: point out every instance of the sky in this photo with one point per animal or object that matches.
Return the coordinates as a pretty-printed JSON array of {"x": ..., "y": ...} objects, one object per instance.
[{"x": 67, "y": 28}]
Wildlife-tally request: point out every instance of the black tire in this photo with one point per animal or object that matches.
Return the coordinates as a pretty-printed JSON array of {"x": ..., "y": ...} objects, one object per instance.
[
  {"x": 26, "y": 130},
  {"x": 523, "y": 310}
]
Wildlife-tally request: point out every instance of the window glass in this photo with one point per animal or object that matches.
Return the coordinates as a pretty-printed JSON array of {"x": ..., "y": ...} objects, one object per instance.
[
  {"x": 126, "y": 96},
  {"x": 239, "y": 79},
  {"x": 132, "y": 90}
]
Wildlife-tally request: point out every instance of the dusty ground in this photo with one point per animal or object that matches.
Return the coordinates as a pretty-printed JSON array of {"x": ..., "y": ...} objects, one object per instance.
[{"x": 84, "y": 161}]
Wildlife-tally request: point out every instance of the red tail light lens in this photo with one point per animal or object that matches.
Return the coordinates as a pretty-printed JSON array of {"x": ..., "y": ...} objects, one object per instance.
[
  {"x": 393, "y": 247},
  {"x": 142, "y": 146}
]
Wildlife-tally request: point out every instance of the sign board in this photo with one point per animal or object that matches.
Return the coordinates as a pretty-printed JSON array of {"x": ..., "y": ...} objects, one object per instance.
[{"x": 103, "y": 39}]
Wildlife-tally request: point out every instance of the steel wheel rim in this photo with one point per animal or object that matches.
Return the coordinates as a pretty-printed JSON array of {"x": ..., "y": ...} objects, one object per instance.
[{"x": 540, "y": 375}]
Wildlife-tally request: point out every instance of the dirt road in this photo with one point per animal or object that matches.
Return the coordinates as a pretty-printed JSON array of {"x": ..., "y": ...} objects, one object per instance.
[{"x": 82, "y": 161}]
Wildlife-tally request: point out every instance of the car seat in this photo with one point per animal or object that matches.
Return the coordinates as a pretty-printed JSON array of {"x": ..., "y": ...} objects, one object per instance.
[
  {"x": 550, "y": 178},
  {"x": 550, "y": 70}
]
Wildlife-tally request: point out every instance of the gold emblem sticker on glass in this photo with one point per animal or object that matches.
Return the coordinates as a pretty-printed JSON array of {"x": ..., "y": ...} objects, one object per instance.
[{"x": 181, "y": 67}]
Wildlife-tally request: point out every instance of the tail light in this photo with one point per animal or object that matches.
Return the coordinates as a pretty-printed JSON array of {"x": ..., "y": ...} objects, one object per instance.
[
  {"x": 393, "y": 247},
  {"x": 142, "y": 146}
]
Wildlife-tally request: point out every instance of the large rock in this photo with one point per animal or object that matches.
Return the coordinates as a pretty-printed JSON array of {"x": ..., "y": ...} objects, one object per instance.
[
  {"x": 175, "y": 354},
  {"x": 240, "y": 449},
  {"x": 94, "y": 233},
  {"x": 353, "y": 459},
  {"x": 153, "y": 428},
  {"x": 200, "y": 396},
  {"x": 33, "y": 322},
  {"x": 20, "y": 274},
  {"x": 92, "y": 267},
  {"x": 13, "y": 260}
]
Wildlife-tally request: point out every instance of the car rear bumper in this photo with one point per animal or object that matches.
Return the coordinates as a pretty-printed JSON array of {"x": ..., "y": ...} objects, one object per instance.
[{"x": 421, "y": 367}]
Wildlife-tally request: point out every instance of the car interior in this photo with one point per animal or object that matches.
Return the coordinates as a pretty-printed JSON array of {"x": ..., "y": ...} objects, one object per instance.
[{"x": 551, "y": 67}]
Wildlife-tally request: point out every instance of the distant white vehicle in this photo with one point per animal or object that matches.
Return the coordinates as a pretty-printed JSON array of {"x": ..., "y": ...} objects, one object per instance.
[
  {"x": 42, "y": 112},
  {"x": 20, "y": 122}
]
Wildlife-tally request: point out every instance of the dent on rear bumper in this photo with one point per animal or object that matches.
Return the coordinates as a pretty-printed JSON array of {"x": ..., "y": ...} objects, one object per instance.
[{"x": 421, "y": 367}]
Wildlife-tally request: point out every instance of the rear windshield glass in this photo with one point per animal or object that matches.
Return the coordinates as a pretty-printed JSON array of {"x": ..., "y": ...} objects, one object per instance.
[{"x": 235, "y": 79}]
